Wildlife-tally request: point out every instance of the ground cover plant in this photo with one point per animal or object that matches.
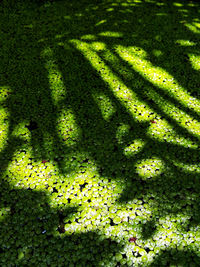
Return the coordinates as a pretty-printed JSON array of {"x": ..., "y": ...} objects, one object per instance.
[{"x": 99, "y": 133}]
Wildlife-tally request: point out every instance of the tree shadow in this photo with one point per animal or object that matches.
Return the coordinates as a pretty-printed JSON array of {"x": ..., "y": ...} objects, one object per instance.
[
  {"x": 32, "y": 232},
  {"x": 173, "y": 257},
  {"x": 31, "y": 102}
]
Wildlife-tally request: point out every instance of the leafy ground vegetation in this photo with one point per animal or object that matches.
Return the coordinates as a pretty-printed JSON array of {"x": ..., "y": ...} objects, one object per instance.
[{"x": 100, "y": 133}]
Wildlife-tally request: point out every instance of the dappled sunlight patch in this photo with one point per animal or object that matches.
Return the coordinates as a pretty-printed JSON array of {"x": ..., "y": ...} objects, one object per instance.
[
  {"x": 149, "y": 168},
  {"x": 185, "y": 43},
  {"x": 67, "y": 17},
  {"x": 105, "y": 105},
  {"x": 58, "y": 36},
  {"x": 195, "y": 61},
  {"x": 5, "y": 92},
  {"x": 180, "y": 116},
  {"x": 197, "y": 24},
  {"x": 105, "y": 190},
  {"x": 56, "y": 84},
  {"x": 98, "y": 46},
  {"x": 116, "y": 63},
  {"x": 135, "y": 51},
  {"x": 4, "y": 115},
  {"x": 158, "y": 76},
  {"x": 111, "y": 34},
  {"x": 164, "y": 132},
  {"x": 167, "y": 235},
  {"x": 88, "y": 37},
  {"x": 177, "y": 4},
  {"x": 134, "y": 148},
  {"x": 103, "y": 21},
  {"x": 24, "y": 172},
  {"x": 161, "y": 14},
  {"x": 21, "y": 130},
  {"x": 184, "y": 12},
  {"x": 110, "y": 9},
  {"x": 186, "y": 167},
  {"x": 67, "y": 127},
  {"x": 193, "y": 27},
  {"x": 122, "y": 131},
  {"x": 157, "y": 52},
  {"x": 140, "y": 110}
]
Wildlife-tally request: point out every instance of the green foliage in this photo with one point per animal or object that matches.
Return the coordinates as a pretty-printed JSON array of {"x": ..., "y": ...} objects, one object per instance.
[{"x": 99, "y": 133}]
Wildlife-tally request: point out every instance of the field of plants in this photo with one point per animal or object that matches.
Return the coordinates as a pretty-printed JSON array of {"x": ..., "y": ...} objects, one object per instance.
[{"x": 100, "y": 133}]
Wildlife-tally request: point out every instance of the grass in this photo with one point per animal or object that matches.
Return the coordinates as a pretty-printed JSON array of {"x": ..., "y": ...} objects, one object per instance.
[{"x": 99, "y": 133}]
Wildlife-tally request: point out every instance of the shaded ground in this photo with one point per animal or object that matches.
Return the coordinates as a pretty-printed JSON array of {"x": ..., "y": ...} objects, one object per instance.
[{"x": 26, "y": 31}]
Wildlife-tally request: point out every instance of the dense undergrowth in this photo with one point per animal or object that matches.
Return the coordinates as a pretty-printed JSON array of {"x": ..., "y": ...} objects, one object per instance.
[{"x": 99, "y": 133}]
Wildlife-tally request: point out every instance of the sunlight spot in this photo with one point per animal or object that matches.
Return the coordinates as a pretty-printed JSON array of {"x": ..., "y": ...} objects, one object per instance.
[
  {"x": 161, "y": 14},
  {"x": 78, "y": 14},
  {"x": 160, "y": 4},
  {"x": 149, "y": 168},
  {"x": 67, "y": 17},
  {"x": 159, "y": 77},
  {"x": 98, "y": 46},
  {"x": 114, "y": 4},
  {"x": 111, "y": 34},
  {"x": 21, "y": 131},
  {"x": 185, "y": 43},
  {"x": 177, "y": 4},
  {"x": 105, "y": 105},
  {"x": 56, "y": 84},
  {"x": 5, "y": 93},
  {"x": 140, "y": 110},
  {"x": 58, "y": 36},
  {"x": 94, "y": 8},
  {"x": 121, "y": 132},
  {"x": 197, "y": 24},
  {"x": 110, "y": 9},
  {"x": 61, "y": 44},
  {"x": 124, "y": 4},
  {"x": 67, "y": 127},
  {"x": 35, "y": 173},
  {"x": 183, "y": 10},
  {"x": 181, "y": 117},
  {"x": 88, "y": 37},
  {"x": 191, "y": 4},
  {"x": 195, "y": 61},
  {"x": 194, "y": 27},
  {"x": 134, "y": 148},
  {"x": 164, "y": 132},
  {"x": 101, "y": 22},
  {"x": 157, "y": 52},
  {"x": 186, "y": 167},
  {"x": 135, "y": 51}
]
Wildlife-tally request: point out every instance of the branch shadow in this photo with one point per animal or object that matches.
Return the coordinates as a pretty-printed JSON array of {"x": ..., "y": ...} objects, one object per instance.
[
  {"x": 173, "y": 257},
  {"x": 33, "y": 232},
  {"x": 39, "y": 114}
]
